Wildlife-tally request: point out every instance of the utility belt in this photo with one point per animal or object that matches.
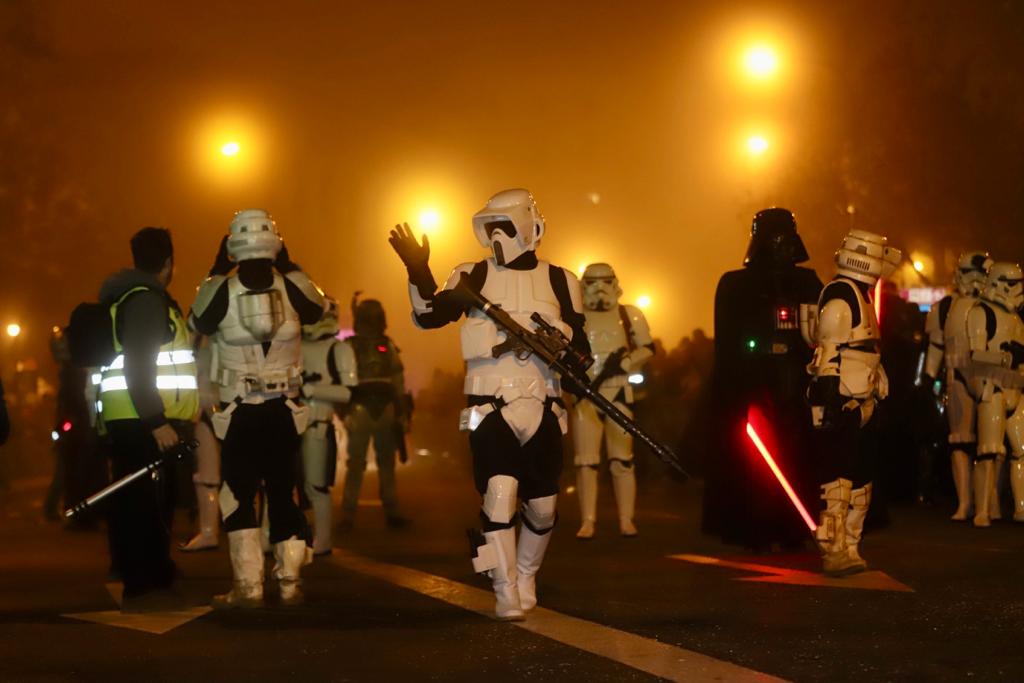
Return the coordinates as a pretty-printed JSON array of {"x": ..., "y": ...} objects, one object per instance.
[
  {"x": 482, "y": 406},
  {"x": 266, "y": 385},
  {"x": 511, "y": 388},
  {"x": 221, "y": 419}
]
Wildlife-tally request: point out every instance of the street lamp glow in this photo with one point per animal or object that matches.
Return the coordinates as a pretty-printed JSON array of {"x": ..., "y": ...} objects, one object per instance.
[
  {"x": 919, "y": 266},
  {"x": 757, "y": 144},
  {"x": 13, "y": 330},
  {"x": 230, "y": 149},
  {"x": 430, "y": 219},
  {"x": 643, "y": 301},
  {"x": 761, "y": 62}
]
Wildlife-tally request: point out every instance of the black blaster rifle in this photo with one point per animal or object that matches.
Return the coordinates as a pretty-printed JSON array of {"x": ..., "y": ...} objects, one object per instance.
[
  {"x": 553, "y": 348},
  {"x": 167, "y": 457}
]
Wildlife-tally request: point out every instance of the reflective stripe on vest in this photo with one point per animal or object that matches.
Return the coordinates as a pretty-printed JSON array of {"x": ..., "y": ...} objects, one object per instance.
[{"x": 175, "y": 374}]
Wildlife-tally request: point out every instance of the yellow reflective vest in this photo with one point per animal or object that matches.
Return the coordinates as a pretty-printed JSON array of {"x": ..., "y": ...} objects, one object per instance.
[{"x": 175, "y": 374}]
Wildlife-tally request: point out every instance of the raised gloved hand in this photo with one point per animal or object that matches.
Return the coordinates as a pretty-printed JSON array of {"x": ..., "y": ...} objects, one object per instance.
[
  {"x": 222, "y": 264},
  {"x": 415, "y": 256}
]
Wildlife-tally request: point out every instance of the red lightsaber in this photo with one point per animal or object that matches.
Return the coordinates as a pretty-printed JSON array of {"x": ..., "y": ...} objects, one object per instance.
[{"x": 766, "y": 454}]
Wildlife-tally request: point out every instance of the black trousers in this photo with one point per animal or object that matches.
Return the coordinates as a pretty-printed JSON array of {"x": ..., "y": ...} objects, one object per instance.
[
  {"x": 848, "y": 450},
  {"x": 261, "y": 446},
  {"x": 140, "y": 515},
  {"x": 536, "y": 465}
]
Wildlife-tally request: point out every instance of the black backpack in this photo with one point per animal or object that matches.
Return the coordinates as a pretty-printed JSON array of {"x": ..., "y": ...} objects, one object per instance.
[{"x": 90, "y": 334}]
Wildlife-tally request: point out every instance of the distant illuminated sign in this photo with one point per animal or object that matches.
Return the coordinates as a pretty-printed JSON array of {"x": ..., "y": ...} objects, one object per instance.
[{"x": 924, "y": 297}]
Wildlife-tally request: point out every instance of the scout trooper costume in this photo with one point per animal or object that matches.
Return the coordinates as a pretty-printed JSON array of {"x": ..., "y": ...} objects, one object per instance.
[
  {"x": 621, "y": 343},
  {"x": 515, "y": 414},
  {"x": 847, "y": 380},
  {"x": 996, "y": 335},
  {"x": 254, "y": 317},
  {"x": 949, "y": 347},
  {"x": 329, "y": 370}
]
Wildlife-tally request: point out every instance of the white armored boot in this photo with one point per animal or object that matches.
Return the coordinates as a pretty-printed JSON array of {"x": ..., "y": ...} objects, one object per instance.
[
  {"x": 624, "y": 484},
  {"x": 247, "y": 566},
  {"x": 538, "y": 520},
  {"x": 984, "y": 475},
  {"x": 831, "y": 531},
  {"x": 209, "y": 517},
  {"x": 1017, "y": 485},
  {"x": 504, "y": 578},
  {"x": 532, "y": 547},
  {"x": 586, "y": 488},
  {"x": 860, "y": 501},
  {"x": 289, "y": 558},
  {"x": 962, "y": 481}
]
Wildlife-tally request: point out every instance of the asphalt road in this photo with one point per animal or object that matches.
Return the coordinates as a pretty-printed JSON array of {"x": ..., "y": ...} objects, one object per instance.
[{"x": 946, "y": 604}]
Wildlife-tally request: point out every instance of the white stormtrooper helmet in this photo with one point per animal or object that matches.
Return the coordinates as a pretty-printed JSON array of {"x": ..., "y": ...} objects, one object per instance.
[
  {"x": 865, "y": 257},
  {"x": 971, "y": 272},
  {"x": 509, "y": 225},
  {"x": 1005, "y": 285},
  {"x": 601, "y": 290},
  {"x": 252, "y": 235},
  {"x": 327, "y": 326}
]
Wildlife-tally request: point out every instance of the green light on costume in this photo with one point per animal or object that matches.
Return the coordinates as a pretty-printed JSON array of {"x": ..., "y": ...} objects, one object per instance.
[{"x": 751, "y": 344}]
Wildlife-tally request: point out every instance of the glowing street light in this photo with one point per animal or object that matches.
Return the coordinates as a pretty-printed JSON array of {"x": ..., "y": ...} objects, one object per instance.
[
  {"x": 13, "y": 330},
  {"x": 230, "y": 149},
  {"x": 757, "y": 145},
  {"x": 643, "y": 301},
  {"x": 760, "y": 62},
  {"x": 430, "y": 220},
  {"x": 919, "y": 266}
]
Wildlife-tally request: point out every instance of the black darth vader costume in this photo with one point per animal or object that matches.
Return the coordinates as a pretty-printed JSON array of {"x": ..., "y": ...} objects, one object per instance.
[{"x": 760, "y": 370}]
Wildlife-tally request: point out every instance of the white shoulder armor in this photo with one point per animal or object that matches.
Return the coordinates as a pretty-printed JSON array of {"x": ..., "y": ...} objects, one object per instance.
[
  {"x": 306, "y": 285},
  {"x": 204, "y": 295}
]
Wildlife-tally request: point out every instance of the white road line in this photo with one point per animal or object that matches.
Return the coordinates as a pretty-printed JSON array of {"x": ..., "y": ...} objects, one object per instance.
[{"x": 644, "y": 654}]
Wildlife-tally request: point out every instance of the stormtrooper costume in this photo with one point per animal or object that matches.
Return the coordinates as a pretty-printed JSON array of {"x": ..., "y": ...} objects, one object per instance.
[
  {"x": 254, "y": 317},
  {"x": 847, "y": 380},
  {"x": 949, "y": 348},
  {"x": 996, "y": 335},
  {"x": 514, "y": 414},
  {"x": 206, "y": 477},
  {"x": 620, "y": 342},
  {"x": 329, "y": 372}
]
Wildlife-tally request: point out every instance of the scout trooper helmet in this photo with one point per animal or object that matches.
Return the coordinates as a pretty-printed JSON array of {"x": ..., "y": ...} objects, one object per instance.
[
  {"x": 509, "y": 225},
  {"x": 253, "y": 235},
  {"x": 865, "y": 256},
  {"x": 972, "y": 272},
  {"x": 601, "y": 290}
]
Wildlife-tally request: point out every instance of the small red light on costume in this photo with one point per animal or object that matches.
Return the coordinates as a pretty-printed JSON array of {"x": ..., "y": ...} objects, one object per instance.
[
  {"x": 66, "y": 427},
  {"x": 382, "y": 348},
  {"x": 784, "y": 314}
]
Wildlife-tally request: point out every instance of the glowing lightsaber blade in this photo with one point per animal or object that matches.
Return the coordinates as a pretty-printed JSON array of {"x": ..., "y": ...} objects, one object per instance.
[{"x": 763, "y": 450}]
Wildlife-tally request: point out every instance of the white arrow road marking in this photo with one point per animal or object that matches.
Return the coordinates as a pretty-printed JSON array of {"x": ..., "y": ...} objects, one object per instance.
[
  {"x": 157, "y": 623},
  {"x": 869, "y": 580},
  {"x": 651, "y": 656}
]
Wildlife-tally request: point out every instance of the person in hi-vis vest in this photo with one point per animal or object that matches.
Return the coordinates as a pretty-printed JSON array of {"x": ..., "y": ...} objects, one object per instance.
[{"x": 149, "y": 399}]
